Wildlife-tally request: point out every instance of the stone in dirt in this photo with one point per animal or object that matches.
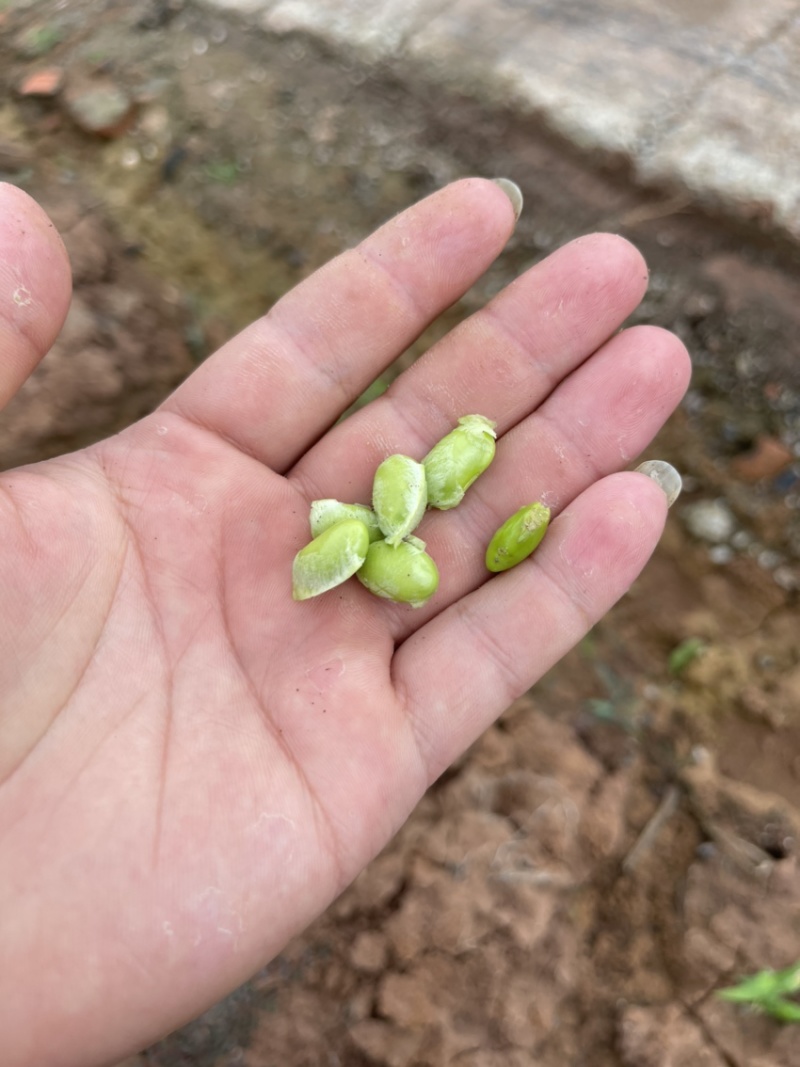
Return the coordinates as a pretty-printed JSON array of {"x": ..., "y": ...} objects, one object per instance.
[
  {"x": 100, "y": 107},
  {"x": 710, "y": 520}
]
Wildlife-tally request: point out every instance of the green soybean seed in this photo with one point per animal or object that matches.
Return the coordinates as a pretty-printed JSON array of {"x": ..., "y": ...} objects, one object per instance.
[
  {"x": 453, "y": 464},
  {"x": 404, "y": 573},
  {"x": 399, "y": 496},
  {"x": 329, "y": 559},
  {"x": 517, "y": 537},
  {"x": 325, "y": 513}
]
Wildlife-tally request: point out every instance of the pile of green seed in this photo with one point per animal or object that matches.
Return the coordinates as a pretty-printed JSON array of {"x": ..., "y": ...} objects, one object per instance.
[{"x": 377, "y": 544}]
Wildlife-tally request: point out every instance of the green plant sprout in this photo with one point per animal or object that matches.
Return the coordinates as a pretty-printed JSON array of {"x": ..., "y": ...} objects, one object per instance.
[
  {"x": 226, "y": 172},
  {"x": 767, "y": 992},
  {"x": 38, "y": 40},
  {"x": 684, "y": 654}
]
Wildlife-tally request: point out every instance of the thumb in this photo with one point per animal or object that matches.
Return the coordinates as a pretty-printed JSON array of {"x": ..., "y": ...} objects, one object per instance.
[{"x": 35, "y": 287}]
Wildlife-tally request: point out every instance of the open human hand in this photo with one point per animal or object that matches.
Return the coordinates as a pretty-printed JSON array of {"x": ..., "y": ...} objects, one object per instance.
[{"x": 193, "y": 765}]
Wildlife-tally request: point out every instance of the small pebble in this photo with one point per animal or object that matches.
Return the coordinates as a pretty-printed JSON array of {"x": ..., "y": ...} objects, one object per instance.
[
  {"x": 710, "y": 520},
  {"x": 104, "y": 109},
  {"x": 720, "y": 554},
  {"x": 786, "y": 578},
  {"x": 768, "y": 560}
]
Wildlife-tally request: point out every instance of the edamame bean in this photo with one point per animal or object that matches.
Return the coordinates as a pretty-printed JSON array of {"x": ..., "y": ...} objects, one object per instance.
[
  {"x": 399, "y": 496},
  {"x": 453, "y": 464},
  {"x": 517, "y": 537},
  {"x": 329, "y": 559},
  {"x": 404, "y": 573}
]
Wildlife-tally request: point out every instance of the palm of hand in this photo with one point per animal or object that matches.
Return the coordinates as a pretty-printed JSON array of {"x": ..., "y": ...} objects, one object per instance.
[
  {"x": 183, "y": 720},
  {"x": 191, "y": 765}
]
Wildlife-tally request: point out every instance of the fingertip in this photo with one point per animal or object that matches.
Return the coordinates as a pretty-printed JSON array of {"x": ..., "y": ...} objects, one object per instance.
[
  {"x": 33, "y": 255},
  {"x": 600, "y": 542},
  {"x": 20, "y": 206},
  {"x": 643, "y": 497},
  {"x": 636, "y": 263},
  {"x": 514, "y": 194},
  {"x": 623, "y": 255},
  {"x": 35, "y": 286},
  {"x": 665, "y": 477},
  {"x": 492, "y": 205},
  {"x": 640, "y": 507}
]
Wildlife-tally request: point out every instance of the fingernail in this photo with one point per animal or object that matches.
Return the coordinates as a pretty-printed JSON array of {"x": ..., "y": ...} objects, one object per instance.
[
  {"x": 513, "y": 192},
  {"x": 665, "y": 475}
]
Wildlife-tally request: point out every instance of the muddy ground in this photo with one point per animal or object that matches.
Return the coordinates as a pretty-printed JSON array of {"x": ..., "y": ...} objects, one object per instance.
[{"x": 625, "y": 840}]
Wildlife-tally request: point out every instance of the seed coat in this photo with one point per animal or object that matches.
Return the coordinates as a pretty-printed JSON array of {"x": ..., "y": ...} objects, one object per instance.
[
  {"x": 329, "y": 559},
  {"x": 326, "y": 513}
]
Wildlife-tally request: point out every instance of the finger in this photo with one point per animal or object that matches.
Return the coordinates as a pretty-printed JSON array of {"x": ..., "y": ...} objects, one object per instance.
[
  {"x": 599, "y": 419},
  {"x": 465, "y": 666},
  {"x": 277, "y": 386},
  {"x": 501, "y": 362},
  {"x": 35, "y": 287}
]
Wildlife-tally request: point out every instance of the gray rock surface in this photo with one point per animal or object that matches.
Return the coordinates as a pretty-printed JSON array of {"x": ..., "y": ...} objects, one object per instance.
[{"x": 698, "y": 95}]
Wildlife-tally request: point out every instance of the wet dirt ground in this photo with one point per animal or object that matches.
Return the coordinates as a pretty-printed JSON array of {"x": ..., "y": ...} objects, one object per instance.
[{"x": 625, "y": 840}]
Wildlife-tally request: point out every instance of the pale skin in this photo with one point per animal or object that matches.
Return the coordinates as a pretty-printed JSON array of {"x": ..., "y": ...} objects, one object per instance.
[{"x": 192, "y": 765}]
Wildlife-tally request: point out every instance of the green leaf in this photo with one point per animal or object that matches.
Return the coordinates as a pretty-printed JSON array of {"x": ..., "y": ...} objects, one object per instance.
[
  {"x": 766, "y": 992},
  {"x": 226, "y": 173},
  {"x": 783, "y": 1010},
  {"x": 683, "y": 654}
]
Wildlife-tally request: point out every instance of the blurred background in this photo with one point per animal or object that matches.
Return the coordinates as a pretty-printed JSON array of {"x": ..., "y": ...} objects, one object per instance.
[{"x": 623, "y": 843}]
